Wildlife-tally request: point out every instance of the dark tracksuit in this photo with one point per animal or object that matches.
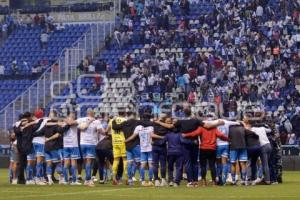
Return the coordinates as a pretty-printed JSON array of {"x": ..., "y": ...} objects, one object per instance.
[
  {"x": 104, "y": 152},
  {"x": 159, "y": 152},
  {"x": 174, "y": 152},
  {"x": 190, "y": 148}
]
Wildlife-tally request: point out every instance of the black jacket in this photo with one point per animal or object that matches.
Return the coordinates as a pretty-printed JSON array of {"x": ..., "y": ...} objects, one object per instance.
[{"x": 25, "y": 136}]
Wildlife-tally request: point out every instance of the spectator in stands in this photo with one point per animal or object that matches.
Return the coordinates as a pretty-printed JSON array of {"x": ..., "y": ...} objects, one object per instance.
[
  {"x": 44, "y": 40},
  {"x": 36, "y": 20},
  {"x": 60, "y": 27},
  {"x": 14, "y": 66},
  {"x": 28, "y": 21},
  {"x": 2, "y": 70}
]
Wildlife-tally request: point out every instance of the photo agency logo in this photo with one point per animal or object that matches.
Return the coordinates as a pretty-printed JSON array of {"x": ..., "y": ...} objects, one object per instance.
[{"x": 92, "y": 91}]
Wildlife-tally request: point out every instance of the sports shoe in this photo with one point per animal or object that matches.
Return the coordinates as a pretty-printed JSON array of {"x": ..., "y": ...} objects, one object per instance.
[
  {"x": 199, "y": 178},
  {"x": 190, "y": 185},
  {"x": 50, "y": 182},
  {"x": 101, "y": 181},
  {"x": 30, "y": 182},
  {"x": 94, "y": 178},
  {"x": 134, "y": 179},
  {"x": 258, "y": 180},
  {"x": 89, "y": 183},
  {"x": 163, "y": 183},
  {"x": 39, "y": 182},
  {"x": 175, "y": 185},
  {"x": 144, "y": 183},
  {"x": 171, "y": 184},
  {"x": 79, "y": 178},
  {"x": 115, "y": 182},
  {"x": 150, "y": 183},
  {"x": 14, "y": 182},
  {"x": 157, "y": 183},
  {"x": 75, "y": 183}
]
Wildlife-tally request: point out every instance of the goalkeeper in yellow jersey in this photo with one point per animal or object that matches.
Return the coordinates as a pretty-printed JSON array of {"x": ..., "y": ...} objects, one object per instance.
[{"x": 119, "y": 148}]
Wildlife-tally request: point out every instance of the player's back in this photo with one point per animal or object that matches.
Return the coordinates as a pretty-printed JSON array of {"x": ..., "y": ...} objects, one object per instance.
[{"x": 145, "y": 137}]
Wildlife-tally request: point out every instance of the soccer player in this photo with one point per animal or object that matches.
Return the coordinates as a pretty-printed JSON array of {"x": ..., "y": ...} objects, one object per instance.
[
  {"x": 238, "y": 152},
  {"x": 119, "y": 147},
  {"x": 133, "y": 146},
  {"x": 223, "y": 152},
  {"x": 145, "y": 134},
  {"x": 207, "y": 147},
  {"x": 53, "y": 144},
  {"x": 71, "y": 149},
  {"x": 88, "y": 127}
]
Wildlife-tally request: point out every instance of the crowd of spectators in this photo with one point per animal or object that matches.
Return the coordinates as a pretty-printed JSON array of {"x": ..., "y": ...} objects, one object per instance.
[{"x": 240, "y": 51}]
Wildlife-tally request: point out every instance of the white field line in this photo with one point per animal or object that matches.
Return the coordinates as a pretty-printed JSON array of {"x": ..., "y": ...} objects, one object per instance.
[{"x": 68, "y": 193}]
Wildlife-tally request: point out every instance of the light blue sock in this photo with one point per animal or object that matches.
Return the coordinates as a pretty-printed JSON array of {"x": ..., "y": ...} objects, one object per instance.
[
  {"x": 219, "y": 171},
  {"x": 29, "y": 172},
  {"x": 233, "y": 177},
  {"x": 59, "y": 168},
  {"x": 65, "y": 172},
  {"x": 150, "y": 173},
  {"x": 10, "y": 174},
  {"x": 244, "y": 174},
  {"x": 226, "y": 169},
  {"x": 88, "y": 170},
  {"x": 129, "y": 169},
  {"x": 74, "y": 173},
  {"x": 49, "y": 170},
  {"x": 39, "y": 170},
  {"x": 142, "y": 173}
]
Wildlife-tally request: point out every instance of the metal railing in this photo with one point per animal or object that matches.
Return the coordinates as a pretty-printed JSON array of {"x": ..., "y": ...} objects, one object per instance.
[{"x": 39, "y": 94}]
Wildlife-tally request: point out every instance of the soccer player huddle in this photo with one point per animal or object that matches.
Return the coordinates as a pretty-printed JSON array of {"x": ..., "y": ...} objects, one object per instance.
[{"x": 169, "y": 150}]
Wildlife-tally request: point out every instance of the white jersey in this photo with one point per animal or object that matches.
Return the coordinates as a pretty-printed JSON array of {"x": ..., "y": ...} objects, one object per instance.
[
  {"x": 41, "y": 139},
  {"x": 90, "y": 135},
  {"x": 71, "y": 137},
  {"x": 262, "y": 134},
  {"x": 145, "y": 137},
  {"x": 225, "y": 130}
]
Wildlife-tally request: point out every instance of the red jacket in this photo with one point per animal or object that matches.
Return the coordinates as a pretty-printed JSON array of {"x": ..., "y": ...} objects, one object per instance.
[{"x": 208, "y": 137}]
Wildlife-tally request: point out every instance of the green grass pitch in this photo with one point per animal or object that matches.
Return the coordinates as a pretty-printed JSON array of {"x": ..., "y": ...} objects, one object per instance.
[{"x": 289, "y": 190}]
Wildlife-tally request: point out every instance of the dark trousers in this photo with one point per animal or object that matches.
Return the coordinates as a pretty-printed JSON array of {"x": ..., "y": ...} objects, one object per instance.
[
  {"x": 159, "y": 157},
  {"x": 253, "y": 154},
  {"x": 177, "y": 160},
  {"x": 190, "y": 159},
  {"x": 21, "y": 168},
  {"x": 210, "y": 156},
  {"x": 103, "y": 155}
]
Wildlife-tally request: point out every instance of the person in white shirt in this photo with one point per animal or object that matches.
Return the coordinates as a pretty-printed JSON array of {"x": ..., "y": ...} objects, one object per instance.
[
  {"x": 2, "y": 68},
  {"x": 266, "y": 148},
  {"x": 145, "y": 134},
  {"x": 71, "y": 150},
  {"x": 88, "y": 127}
]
